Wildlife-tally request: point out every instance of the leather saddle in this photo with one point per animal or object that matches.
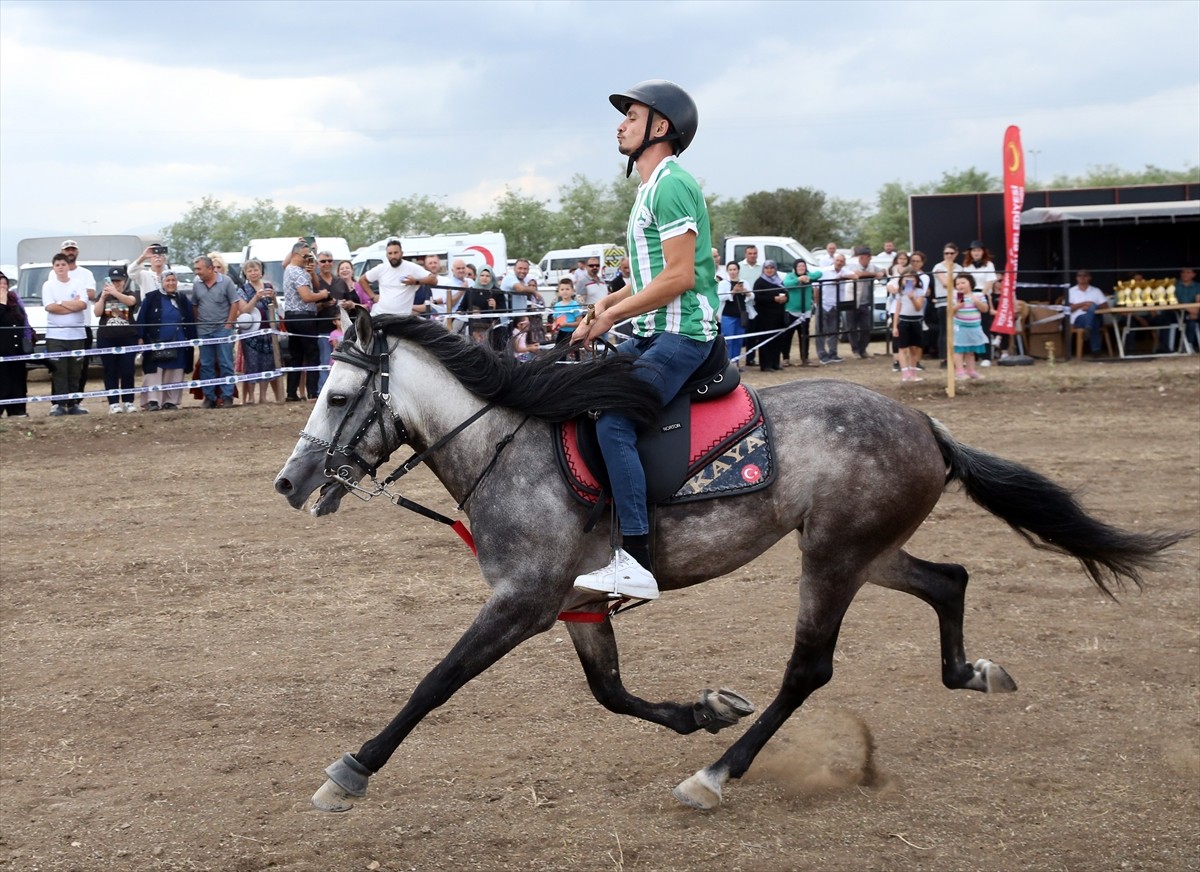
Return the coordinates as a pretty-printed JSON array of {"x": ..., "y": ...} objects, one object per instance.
[{"x": 710, "y": 441}]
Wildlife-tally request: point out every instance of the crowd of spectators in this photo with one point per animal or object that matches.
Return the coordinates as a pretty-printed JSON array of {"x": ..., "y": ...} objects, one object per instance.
[{"x": 766, "y": 309}]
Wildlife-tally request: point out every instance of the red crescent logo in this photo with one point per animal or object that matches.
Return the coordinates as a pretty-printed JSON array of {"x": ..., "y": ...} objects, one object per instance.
[
  {"x": 751, "y": 474},
  {"x": 1016, "y": 157},
  {"x": 487, "y": 255}
]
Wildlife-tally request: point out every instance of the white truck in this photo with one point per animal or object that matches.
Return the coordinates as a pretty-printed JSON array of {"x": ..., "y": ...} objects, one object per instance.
[
  {"x": 96, "y": 253},
  {"x": 563, "y": 261}
]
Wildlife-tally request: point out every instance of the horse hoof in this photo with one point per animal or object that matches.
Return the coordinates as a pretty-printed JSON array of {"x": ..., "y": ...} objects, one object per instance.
[
  {"x": 996, "y": 679},
  {"x": 331, "y": 798},
  {"x": 722, "y": 708},
  {"x": 702, "y": 791}
]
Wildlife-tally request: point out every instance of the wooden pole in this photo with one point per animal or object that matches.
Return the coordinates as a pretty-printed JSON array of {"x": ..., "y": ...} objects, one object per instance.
[{"x": 949, "y": 328}]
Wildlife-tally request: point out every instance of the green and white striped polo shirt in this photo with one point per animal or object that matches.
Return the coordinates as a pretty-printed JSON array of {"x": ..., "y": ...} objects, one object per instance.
[{"x": 667, "y": 205}]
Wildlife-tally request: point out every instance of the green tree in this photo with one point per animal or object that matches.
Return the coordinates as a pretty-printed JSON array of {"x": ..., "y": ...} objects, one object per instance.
[
  {"x": 968, "y": 181},
  {"x": 420, "y": 215},
  {"x": 801, "y": 213},
  {"x": 724, "y": 218},
  {"x": 199, "y": 230},
  {"x": 848, "y": 221},
  {"x": 890, "y": 218},
  {"x": 1107, "y": 175},
  {"x": 530, "y": 229},
  {"x": 358, "y": 227}
]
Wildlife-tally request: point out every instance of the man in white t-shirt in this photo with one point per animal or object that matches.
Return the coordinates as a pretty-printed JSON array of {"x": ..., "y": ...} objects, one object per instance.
[
  {"x": 750, "y": 269},
  {"x": 398, "y": 280},
  {"x": 82, "y": 276},
  {"x": 518, "y": 284},
  {"x": 826, "y": 260},
  {"x": 65, "y": 299},
  {"x": 1087, "y": 303}
]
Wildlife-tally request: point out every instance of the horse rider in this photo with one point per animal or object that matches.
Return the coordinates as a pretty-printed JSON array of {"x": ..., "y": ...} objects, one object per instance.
[{"x": 671, "y": 297}]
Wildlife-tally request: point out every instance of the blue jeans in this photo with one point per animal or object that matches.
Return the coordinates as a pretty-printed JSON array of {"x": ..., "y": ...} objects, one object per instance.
[
  {"x": 666, "y": 361},
  {"x": 209, "y": 356},
  {"x": 1091, "y": 321},
  {"x": 324, "y": 352},
  {"x": 731, "y": 325}
]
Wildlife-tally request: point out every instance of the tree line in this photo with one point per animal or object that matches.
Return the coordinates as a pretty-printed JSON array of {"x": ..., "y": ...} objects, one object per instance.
[{"x": 595, "y": 211}]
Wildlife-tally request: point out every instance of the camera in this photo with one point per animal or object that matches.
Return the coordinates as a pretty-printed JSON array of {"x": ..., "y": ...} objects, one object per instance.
[{"x": 158, "y": 249}]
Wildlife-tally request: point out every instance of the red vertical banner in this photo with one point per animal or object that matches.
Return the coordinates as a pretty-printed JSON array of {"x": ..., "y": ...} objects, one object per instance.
[{"x": 1014, "y": 200}]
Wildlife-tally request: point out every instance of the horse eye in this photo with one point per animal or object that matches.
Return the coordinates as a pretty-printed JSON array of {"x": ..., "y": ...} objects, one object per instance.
[{"x": 337, "y": 399}]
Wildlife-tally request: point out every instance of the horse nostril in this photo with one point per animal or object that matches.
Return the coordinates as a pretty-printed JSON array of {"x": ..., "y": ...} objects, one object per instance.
[{"x": 283, "y": 486}]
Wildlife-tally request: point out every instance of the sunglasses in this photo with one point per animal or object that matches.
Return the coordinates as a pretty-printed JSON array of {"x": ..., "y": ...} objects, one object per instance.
[
  {"x": 325, "y": 260},
  {"x": 593, "y": 266}
]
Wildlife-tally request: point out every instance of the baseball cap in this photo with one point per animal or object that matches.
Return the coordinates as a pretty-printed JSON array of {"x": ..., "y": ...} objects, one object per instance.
[
  {"x": 69, "y": 243},
  {"x": 117, "y": 272},
  {"x": 976, "y": 243},
  {"x": 862, "y": 249}
]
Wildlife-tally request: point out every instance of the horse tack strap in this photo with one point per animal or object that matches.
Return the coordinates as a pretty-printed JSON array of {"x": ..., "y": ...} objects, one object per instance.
[{"x": 614, "y": 608}]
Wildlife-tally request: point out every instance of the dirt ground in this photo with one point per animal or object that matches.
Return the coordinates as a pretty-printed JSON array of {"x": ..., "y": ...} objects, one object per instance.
[{"x": 182, "y": 654}]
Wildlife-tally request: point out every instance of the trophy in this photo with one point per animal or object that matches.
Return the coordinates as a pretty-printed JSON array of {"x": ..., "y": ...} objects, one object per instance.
[{"x": 1172, "y": 300}]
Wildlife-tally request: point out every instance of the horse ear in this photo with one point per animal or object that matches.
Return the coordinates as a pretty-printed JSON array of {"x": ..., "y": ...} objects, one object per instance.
[
  {"x": 363, "y": 331},
  {"x": 345, "y": 321}
]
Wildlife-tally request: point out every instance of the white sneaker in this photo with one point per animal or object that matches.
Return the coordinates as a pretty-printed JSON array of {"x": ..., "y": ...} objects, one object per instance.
[
  {"x": 130, "y": 407},
  {"x": 115, "y": 409},
  {"x": 623, "y": 576}
]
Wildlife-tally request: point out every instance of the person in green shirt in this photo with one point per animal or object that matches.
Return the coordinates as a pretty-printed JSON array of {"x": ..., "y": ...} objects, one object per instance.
[
  {"x": 671, "y": 298},
  {"x": 799, "y": 307}
]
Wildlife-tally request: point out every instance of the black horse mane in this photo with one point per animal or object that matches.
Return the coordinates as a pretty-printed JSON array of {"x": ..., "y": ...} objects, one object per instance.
[{"x": 541, "y": 387}]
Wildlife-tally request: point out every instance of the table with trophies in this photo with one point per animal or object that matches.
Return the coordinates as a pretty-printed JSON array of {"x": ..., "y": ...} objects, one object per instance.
[{"x": 1145, "y": 299}]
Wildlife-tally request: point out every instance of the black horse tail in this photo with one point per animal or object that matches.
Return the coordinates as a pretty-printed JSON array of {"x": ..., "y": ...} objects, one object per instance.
[{"x": 1049, "y": 517}]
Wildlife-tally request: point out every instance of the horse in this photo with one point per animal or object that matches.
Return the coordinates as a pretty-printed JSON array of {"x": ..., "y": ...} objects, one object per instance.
[{"x": 857, "y": 474}]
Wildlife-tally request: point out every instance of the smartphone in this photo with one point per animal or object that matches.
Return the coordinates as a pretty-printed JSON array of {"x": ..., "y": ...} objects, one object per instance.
[
  {"x": 908, "y": 285},
  {"x": 311, "y": 241}
]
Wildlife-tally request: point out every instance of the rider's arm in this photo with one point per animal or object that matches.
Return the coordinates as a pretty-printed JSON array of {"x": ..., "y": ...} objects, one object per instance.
[{"x": 678, "y": 276}]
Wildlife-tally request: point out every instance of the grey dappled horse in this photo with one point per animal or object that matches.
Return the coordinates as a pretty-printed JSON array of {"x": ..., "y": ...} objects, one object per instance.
[{"x": 857, "y": 474}]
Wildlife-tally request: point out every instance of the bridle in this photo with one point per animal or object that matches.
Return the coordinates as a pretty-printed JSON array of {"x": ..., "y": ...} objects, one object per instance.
[{"x": 376, "y": 384}]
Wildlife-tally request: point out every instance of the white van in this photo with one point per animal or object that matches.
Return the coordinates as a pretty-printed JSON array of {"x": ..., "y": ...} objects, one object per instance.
[
  {"x": 276, "y": 251},
  {"x": 782, "y": 249},
  {"x": 563, "y": 261}
]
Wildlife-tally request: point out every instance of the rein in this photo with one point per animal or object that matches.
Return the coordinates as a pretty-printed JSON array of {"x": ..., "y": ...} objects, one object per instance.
[{"x": 377, "y": 364}]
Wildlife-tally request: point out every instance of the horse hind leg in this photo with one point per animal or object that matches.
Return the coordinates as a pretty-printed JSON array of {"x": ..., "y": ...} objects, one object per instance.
[
  {"x": 944, "y": 587},
  {"x": 596, "y": 645},
  {"x": 823, "y": 605}
]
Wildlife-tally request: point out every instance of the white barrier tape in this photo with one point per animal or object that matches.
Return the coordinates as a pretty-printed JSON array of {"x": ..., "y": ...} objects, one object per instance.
[
  {"x": 155, "y": 389},
  {"x": 149, "y": 346}
]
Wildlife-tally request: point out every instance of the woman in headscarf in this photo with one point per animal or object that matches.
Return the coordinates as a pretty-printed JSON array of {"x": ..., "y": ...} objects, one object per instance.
[
  {"x": 799, "y": 308},
  {"x": 770, "y": 299},
  {"x": 165, "y": 316},
  {"x": 482, "y": 296},
  {"x": 14, "y": 331}
]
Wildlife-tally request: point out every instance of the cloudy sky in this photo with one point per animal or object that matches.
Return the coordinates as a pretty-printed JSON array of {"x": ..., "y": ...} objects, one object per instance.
[{"x": 114, "y": 115}]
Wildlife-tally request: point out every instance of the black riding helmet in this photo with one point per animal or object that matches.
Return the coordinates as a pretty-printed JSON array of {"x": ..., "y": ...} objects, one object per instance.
[{"x": 668, "y": 100}]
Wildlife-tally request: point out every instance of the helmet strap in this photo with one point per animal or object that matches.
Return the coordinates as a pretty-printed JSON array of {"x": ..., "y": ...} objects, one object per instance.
[{"x": 647, "y": 142}]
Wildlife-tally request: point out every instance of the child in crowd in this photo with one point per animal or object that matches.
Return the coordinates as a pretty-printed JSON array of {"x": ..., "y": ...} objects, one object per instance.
[
  {"x": 335, "y": 335},
  {"x": 908, "y": 322},
  {"x": 523, "y": 344},
  {"x": 967, "y": 306},
  {"x": 567, "y": 315}
]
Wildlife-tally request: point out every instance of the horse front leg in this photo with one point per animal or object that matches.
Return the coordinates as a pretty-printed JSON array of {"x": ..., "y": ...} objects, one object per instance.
[
  {"x": 944, "y": 587},
  {"x": 596, "y": 645},
  {"x": 504, "y": 622}
]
